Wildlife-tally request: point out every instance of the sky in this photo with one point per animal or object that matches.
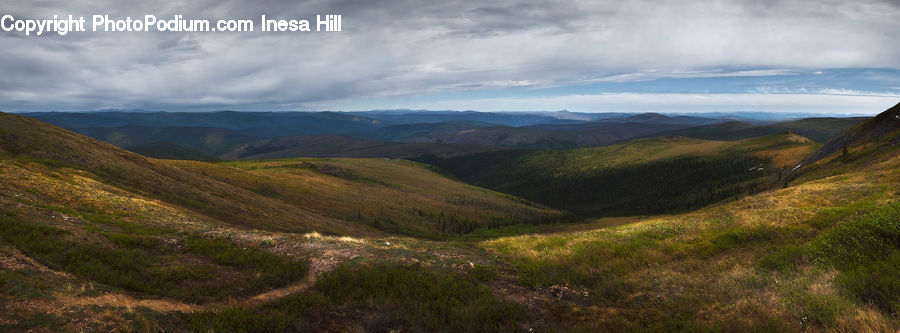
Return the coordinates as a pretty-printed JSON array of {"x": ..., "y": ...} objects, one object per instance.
[{"x": 820, "y": 56}]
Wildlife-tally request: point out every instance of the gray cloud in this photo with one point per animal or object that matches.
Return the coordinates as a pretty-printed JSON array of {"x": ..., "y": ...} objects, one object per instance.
[{"x": 411, "y": 48}]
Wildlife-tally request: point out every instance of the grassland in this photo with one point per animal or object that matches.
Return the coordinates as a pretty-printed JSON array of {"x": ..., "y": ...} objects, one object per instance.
[
  {"x": 88, "y": 250},
  {"x": 640, "y": 177},
  {"x": 817, "y": 255},
  {"x": 393, "y": 196},
  {"x": 97, "y": 238},
  {"x": 353, "y": 197}
]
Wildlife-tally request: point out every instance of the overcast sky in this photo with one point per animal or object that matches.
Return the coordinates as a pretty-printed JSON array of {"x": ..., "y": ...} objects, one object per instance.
[{"x": 677, "y": 56}]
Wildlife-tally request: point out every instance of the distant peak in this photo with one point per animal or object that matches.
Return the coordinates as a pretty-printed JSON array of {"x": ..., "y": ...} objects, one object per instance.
[{"x": 649, "y": 116}]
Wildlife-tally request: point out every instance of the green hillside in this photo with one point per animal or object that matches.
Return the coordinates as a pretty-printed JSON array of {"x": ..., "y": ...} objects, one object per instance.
[
  {"x": 646, "y": 176},
  {"x": 343, "y": 146},
  {"x": 256, "y": 199},
  {"x": 819, "y": 255},
  {"x": 209, "y": 140},
  {"x": 818, "y": 129},
  {"x": 394, "y": 196},
  {"x": 93, "y": 238},
  {"x": 171, "y": 151}
]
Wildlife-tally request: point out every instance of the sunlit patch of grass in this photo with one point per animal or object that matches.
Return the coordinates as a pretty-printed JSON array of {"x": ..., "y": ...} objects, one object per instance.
[{"x": 344, "y": 239}]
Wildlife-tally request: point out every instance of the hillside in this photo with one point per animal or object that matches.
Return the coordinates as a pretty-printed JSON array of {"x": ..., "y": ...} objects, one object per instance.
[
  {"x": 228, "y": 132},
  {"x": 817, "y": 129},
  {"x": 269, "y": 124},
  {"x": 646, "y": 176},
  {"x": 171, "y": 151},
  {"x": 82, "y": 251},
  {"x": 394, "y": 196},
  {"x": 857, "y": 146},
  {"x": 28, "y": 142},
  {"x": 208, "y": 140},
  {"x": 819, "y": 255},
  {"x": 542, "y": 136},
  {"x": 344, "y": 146}
]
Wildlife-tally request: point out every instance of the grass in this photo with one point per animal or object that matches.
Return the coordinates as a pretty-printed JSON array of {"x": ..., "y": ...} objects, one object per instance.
[
  {"x": 819, "y": 255},
  {"x": 48, "y": 321},
  {"x": 273, "y": 270},
  {"x": 640, "y": 177},
  {"x": 866, "y": 251},
  {"x": 18, "y": 284},
  {"x": 359, "y": 197},
  {"x": 815, "y": 256},
  {"x": 376, "y": 297},
  {"x": 392, "y": 196},
  {"x": 203, "y": 269}
]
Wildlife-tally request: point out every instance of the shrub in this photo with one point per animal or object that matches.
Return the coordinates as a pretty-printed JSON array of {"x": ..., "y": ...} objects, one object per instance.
[
  {"x": 867, "y": 252},
  {"x": 484, "y": 272},
  {"x": 785, "y": 259},
  {"x": 274, "y": 270}
]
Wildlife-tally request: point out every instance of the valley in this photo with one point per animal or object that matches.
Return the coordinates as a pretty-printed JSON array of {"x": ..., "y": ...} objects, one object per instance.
[{"x": 338, "y": 231}]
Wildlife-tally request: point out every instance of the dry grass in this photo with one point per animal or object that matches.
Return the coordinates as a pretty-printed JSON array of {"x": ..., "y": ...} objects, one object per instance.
[
  {"x": 738, "y": 266},
  {"x": 707, "y": 268},
  {"x": 394, "y": 196}
]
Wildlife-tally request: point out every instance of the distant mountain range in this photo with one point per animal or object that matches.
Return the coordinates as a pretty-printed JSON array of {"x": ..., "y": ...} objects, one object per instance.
[{"x": 406, "y": 133}]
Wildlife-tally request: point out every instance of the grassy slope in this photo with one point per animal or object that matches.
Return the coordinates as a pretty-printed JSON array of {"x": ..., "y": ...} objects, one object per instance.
[
  {"x": 211, "y": 141},
  {"x": 248, "y": 201},
  {"x": 790, "y": 259},
  {"x": 342, "y": 146},
  {"x": 96, "y": 238},
  {"x": 818, "y": 129},
  {"x": 171, "y": 151},
  {"x": 395, "y": 196},
  {"x": 31, "y": 141},
  {"x": 639, "y": 177},
  {"x": 819, "y": 254}
]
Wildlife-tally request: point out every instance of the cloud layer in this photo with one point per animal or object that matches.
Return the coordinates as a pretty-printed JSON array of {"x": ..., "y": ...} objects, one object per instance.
[{"x": 397, "y": 52}]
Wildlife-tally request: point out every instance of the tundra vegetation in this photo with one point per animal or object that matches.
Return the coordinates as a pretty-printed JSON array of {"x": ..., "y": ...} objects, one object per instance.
[{"x": 95, "y": 238}]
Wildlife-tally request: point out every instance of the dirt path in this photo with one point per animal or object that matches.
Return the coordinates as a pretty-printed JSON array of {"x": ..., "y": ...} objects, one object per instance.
[{"x": 275, "y": 294}]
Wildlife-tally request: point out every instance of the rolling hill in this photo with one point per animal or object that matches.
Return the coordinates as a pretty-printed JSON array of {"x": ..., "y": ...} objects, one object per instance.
[
  {"x": 646, "y": 176},
  {"x": 208, "y": 140},
  {"x": 343, "y": 146},
  {"x": 171, "y": 151},
  {"x": 270, "y": 123},
  {"x": 544, "y": 136},
  {"x": 859, "y": 145},
  {"x": 217, "y": 133},
  {"x": 818, "y": 129},
  {"x": 821, "y": 254},
  {"x": 94, "y": 238},
  {"x": 256, "y": 199}
]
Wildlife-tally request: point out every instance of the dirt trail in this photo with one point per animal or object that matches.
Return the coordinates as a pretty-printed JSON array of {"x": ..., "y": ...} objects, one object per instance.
[{"x": 275, "y": 294}]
